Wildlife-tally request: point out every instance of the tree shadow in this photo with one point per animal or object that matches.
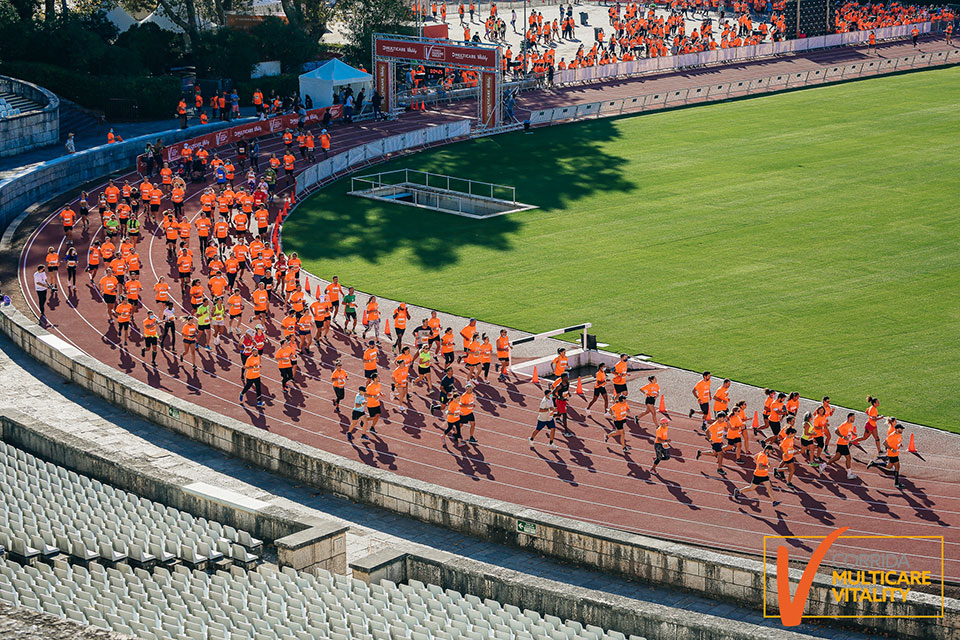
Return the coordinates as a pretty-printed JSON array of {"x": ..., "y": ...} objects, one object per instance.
[{"x": 334, "y": 226}]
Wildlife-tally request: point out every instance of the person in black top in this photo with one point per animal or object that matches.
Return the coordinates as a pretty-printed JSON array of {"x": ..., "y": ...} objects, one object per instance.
[
  {"x": 446, "y": 388},
  {"x": 377, "y": 100}
]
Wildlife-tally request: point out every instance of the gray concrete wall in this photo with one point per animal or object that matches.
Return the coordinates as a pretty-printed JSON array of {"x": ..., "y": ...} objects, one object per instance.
[
  {"x": 42, "y": 181},
  {"x": 736, "y": 580},
  {"x": 29, "y": 130}
]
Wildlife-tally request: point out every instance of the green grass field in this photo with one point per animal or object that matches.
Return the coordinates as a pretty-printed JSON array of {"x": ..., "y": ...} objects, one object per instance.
[{"x": 808, "y": 241}]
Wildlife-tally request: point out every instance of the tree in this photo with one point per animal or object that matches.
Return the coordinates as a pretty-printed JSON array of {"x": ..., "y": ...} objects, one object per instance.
[
  {"x": 363, "y": 18},
  {"x": 310, "y": 16}
]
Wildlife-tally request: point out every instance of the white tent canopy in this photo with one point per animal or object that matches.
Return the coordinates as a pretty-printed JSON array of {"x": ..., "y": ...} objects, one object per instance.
[{"x": 321, "y": 83}]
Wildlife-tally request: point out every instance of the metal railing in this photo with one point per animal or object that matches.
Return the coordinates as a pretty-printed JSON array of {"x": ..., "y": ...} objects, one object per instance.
[{"x": 451, "y": 184}]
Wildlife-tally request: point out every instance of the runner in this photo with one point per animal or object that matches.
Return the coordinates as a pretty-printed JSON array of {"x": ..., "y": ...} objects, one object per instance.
[
  {"x": 561, "y": 396},
  {"x": 651, "y": 391},
  {"x": 371, "y": 318},
  {"x": 452, "y": 417},
  {"x": 339, "y": 379},
  {"x": 560, "y": 363},
  {"x": 286, "y": 357},
  {"x": 545, "y": 418},
  {"x": 446, "y": 346},
  {"x": 400, "y": 317},
  {"x": 715, "y": 434},
  {"x": 846, "y": 433},
  {"x": 424, "y": 360},
  {"x": 486, "y": 355},
  {"x": 467, "y": 402},
  {"x": 400, "y": 376},
  {"x": 893, "y": 443},
  {"x": 503, "y": 358},
  {"x": 123, "y": 313},
  {"x": 787, "y": 454},
  {"x": 621, "y": 412},
  {"x": 870, "y": 429},
  {"x": 769, "y": 397},
  {"x": 373, "y": 403},
  {"x": 350, "y": 312},
  {"x": 777, "y": 411},
  {"x": 736, "y": 431},
  {"x": 620, "y": 376},
  {"x": 150, "y": 332},
  {"x": 808, "y": 440},
  {"x": 701, "y": 391},
  {"x": 251, "y": 369},
  {"x": 661, "y": 444},
  {"x": 356, "y": 416},
  {"x": 761, "y": 475},
  {"x": 188, "y": 334}
]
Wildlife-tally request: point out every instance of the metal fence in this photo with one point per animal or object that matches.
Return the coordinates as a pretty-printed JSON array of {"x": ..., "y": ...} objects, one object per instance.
[
  {"x": 723, "y": 90},
  {"x": 439, "y": 181},
  {"x": 738, "y": 54}
]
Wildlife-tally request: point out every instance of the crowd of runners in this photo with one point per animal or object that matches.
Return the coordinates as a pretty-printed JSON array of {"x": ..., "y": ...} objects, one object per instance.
[{"x": 230, "y": 290}]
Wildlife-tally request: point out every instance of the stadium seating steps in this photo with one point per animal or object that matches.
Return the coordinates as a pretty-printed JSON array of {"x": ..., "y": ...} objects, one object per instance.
[{"x": 85, "y": 551}]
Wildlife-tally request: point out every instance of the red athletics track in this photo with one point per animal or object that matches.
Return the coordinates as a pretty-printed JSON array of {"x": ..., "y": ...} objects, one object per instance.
[{"x": 581, "y": 478}]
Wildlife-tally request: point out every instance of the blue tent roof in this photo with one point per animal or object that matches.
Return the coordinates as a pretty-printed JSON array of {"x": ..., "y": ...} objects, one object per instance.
[{"x": 338, "y": 72}]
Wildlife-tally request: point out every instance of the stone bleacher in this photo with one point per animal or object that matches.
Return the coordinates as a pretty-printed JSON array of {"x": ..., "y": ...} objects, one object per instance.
[
  {"x": 79, "y": 549},
  {"x": 14, "y": 105}
]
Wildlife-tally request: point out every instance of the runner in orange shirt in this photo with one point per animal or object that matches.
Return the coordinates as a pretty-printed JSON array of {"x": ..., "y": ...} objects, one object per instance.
[
  {"x": 761, "y": 475},
  {"x": 777, "y": 411},
  {"x": 651, "y": 391},
  {"x": 189, "y": 336},
  {"x": 69, "y": 218},
  {"x": 286, "y": 357},
  {"x": 370, "y": 356},
  {"x": 467, "y": 333},
  {"x": 123, "y": 313},
  {"x": 373, "y": 394},
  {"x": 661, "y": 445},
  {"x": 260, "y": 299},
  {"x": 721, "y": 399},
  {"x": 846, "y": 433},
  {"x": 339, "y": 380},
  {"x": 109, "y": 288},
  {"x": 620, "y": 376},
  {"x": 234, "y": 311},
  {"x": 446, "y": 346},
  {"x": 486, "y": 355},
  {"x": 400, "y": 375},
  {"x": 770, "y": 396},
  {"x": 400, "y": 317},
  {"x": 701, "y": 391},
  {"x": 600, "y": 388},
  {"x": 371, "y": 318},
  {"x": 788, "y": 454},
  {"x": 620, "y": 412},
  {"x": 503, "y": 355},
  {"x": 251, "y": 369},
  {"x": 870, "y": 429},
  {"x": 560, "y": 363},
  {"x": 715, "y": 433},
  {"x": 150, "y": 333},
  {"x": 893, "y": 443}
]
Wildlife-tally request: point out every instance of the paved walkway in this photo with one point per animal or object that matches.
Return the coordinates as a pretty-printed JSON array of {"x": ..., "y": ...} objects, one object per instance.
[{"x": 34, "y": 390}]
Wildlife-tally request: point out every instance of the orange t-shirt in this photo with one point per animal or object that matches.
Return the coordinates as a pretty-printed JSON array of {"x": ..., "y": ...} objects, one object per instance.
[
  {"x": 252, "y": 367},
  {"x": 702, "y": 390}
]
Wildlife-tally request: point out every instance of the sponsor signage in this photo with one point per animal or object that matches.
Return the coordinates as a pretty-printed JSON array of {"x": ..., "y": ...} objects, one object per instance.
[
  {"x": 249, "y": 130},
  {"x": 433, "y": 52}
]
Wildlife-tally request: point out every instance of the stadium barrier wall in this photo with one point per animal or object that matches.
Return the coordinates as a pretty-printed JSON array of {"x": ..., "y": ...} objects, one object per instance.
[
  {"x": 721, "y": 90},
  {"x": 738, "y": 54},
  {"x": 741, "y": 581},
  {"x": 567, "y": 602},
  {"x": 47, "y": 179},
  {"x": 302, "y": 544}
]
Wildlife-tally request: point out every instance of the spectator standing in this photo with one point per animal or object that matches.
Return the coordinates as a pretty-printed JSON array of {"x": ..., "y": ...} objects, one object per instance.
[
  {"x": 41, "y": 286},
  {"x": 70, "y": 146},
  {"x": 377, "y": 102}
]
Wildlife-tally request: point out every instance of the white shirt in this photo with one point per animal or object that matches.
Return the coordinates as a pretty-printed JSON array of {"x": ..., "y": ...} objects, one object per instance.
[
  {"x": 40, "y": 280},
  {"x": 546, "y": 409}
]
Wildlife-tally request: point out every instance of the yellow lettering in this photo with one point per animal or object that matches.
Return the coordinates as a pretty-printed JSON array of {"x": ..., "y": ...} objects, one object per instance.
[
  {"x": 842, "y": 577},
  {"x": 903, "y": 593},
  {"x": 926, "y": 578},
  {"x": 839, "y": 595}
]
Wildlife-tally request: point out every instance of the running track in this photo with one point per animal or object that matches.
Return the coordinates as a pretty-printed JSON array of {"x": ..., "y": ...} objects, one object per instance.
[{"x": 582, "y": 477}]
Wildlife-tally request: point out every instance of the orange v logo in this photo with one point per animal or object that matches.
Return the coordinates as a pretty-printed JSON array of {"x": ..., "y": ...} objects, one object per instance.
[{"x": 791, "y": 611}]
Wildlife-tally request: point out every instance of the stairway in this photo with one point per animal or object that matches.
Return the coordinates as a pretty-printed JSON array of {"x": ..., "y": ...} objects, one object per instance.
[
  {"x": 14, "y": 101},
  {"x": 75, "y": 119}
]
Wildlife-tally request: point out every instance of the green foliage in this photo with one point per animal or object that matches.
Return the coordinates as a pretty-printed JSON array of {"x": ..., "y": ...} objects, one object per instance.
[
  {"x": 815, "y": 251},
  {"x": 227, "y": 53},
  {"x": 283, "y": 85},
  {"x": 363, "y": 18},
  {"x": 156, "y": 48},
  {"x": 277, "y": 40}
]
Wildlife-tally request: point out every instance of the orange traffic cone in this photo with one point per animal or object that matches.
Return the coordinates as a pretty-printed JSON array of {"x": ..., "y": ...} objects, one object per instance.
[
  {"x": 579, "y": 386},
  {"x": 317, "y": 295},
  {"x": 912, "y": 447},
  {"x": 663, "y": 405},
  {"x": 535, "y": 379},
  {"x": 306, "y": 286},
  {"x": 423, "y": 106},
  {"x": 413, "y": 105},
  {"x": 387, "y": 330},
  {"x": 756, "y": 420}
]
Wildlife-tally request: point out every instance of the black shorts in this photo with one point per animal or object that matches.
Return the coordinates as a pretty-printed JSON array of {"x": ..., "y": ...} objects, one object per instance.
[
  {"x": 423, "y": 370},
  {"x": 356, "y": 415},
  {"x": 149, "y": 341},
  {"x": 123, "y": 324},
  {"x": 717, "y": 446},
  {"x": 619, "y": 388},
  {"x": 433, "y": 340},
  {"x": 805, "y": 443},
  {"x": 368, "y": 373},
  {"x": 843, "y": 449},
  {"x": 705, "y": 408},
  {"x": 892, "y": 460},
  {"x": 373, "y": 411},
  {"x": 546, "y": 424},
  {"x": 775, "y": 427},
  {"x": 662, "y": 452},
  {"x": 448, "y": 358},
  {"x": 338, "y": 392},
  {"x": 760, "y": 479},
  {"x": 599, "y": 391},
  {"x": 52, "y": 269},
  {"x": 618, "y": 425},
  {"x": 109, "y": 298},
  {"x": 154, "y": 207},
  {"x": 486, "y": 368},
  {"x": 469, "y": 417},
  {"x": 733, "y": 441},
  {"x": 650, "y": 400},
  {"x": 819, "y": 441},
  {"x": 203, "y": 327},
  {"x": 92, "y": 267},
  {"x": 350, "y": 313}
]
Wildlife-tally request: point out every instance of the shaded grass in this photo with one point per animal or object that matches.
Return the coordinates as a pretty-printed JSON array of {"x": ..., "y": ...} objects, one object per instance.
[{"x": 805, "y": 241}]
